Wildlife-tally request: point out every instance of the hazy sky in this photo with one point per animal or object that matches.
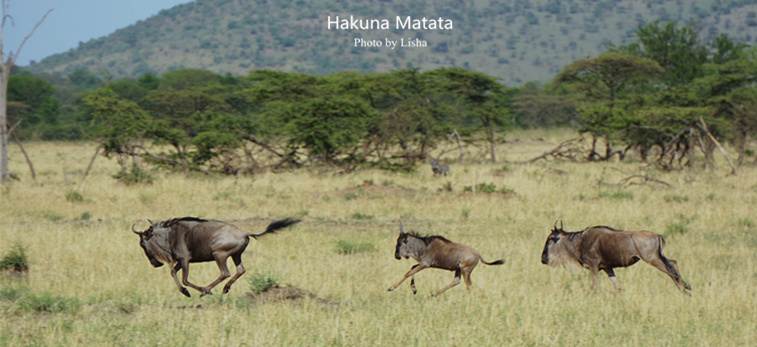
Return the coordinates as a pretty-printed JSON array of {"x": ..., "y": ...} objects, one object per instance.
[{"x": 70, "y": 22}]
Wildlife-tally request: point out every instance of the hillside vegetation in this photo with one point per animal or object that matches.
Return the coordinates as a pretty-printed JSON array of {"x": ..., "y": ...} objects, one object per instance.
[{"x": 518, "y": 41}]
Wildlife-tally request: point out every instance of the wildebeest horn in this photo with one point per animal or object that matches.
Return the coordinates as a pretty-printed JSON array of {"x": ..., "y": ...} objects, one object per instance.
[
  {"x": 153, "y": 224},
  {"x": 561, "y": 225},
  {"x": 555, "y": 227},
  {"x": 136, "y": 232},
  {"x": 402, "y": 231}
]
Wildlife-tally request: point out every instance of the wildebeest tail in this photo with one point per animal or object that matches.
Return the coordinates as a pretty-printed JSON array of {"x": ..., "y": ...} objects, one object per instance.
[
  {"x": 496, "y": 262},
  {"x": 279, "y": 224},
  {"x": 668, "y": 266}
]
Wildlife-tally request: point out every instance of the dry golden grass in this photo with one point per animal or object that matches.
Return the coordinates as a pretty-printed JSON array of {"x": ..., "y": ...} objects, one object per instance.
[{"x": 83, "y": 256}]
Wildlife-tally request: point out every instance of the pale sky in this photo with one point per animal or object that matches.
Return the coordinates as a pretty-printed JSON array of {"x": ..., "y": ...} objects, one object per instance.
[{"x": 70, "y": 22}]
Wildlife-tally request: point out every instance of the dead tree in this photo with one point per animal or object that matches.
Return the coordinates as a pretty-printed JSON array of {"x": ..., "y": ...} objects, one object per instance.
[{"x": 6, "y": 63}]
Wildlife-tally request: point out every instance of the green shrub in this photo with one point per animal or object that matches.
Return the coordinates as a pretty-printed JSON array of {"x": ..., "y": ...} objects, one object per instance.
[
  {"x": 74, "y": 196},
  {"x": 351, "y": 247},
  {"x": 15, "y": 260},
  {"x": 261, "y": 282}
]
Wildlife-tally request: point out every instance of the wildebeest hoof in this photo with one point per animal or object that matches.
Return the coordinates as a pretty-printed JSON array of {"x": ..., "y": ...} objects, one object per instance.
[
  {"x": 185, "y": 292},
  {"x": 226, "y": 290},
  {"x": 206, "y": 293},
  {"x": 414, "y": 291},
  {"x": 390, "y": 289}
]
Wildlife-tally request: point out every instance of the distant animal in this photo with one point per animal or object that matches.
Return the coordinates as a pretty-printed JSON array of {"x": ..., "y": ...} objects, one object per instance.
[
  {"x": 439, "y": 169},
  {"x": 181, "y": 241},
  {"x": 437, "y": 252},
  {"x": 604, "y": 248}
]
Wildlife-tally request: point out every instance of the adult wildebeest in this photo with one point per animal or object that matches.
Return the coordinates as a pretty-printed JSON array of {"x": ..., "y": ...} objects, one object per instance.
[
  {"x": 181, "y": 241},
  {"x": 604, "y": 248},
  {"x": 437, "y": 252}
]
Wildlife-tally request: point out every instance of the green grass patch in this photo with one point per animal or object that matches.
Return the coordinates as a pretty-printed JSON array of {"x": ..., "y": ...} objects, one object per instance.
[
  {"x": 74, "y": 196},
  {"x": 48, "y": 303},
  {"x": 352, "y": 247},
  {"x": 675, "y": 198},
  {"x": 617, "y": 195},
  {"x": 263, "y": 281},
  {"x": 488, "y": 188},
  {"x": 15, "y": 259},
  {"x": 358, "y": 215}
]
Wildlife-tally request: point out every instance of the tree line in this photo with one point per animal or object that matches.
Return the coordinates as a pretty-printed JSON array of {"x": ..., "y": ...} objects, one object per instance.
[{"x": 668, "y": 89}]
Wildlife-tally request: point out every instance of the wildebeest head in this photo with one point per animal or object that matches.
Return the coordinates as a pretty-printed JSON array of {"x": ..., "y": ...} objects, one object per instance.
[
  {"x": 147, "y": 242},
  {"x": 407, "y": 245},
  {"x": 554, "y": 249}
]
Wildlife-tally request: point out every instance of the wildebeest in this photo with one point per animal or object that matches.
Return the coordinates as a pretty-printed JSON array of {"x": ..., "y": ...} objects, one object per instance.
[
  {"x": 604, "y": 248},
  {"x": 437, "y": 252},
  {"x": 439, "y": 169},
  {"x": 181, "y": 241}
]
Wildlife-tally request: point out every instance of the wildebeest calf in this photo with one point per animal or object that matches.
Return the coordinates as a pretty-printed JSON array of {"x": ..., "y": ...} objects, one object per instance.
[
  {"x": 181, "y": 241},
  {"x": 437, "y": 252},
  {"x": 604, "y": 248}
]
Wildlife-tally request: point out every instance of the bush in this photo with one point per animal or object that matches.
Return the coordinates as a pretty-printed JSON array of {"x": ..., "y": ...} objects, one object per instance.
[{"x": 260, "y": 282}]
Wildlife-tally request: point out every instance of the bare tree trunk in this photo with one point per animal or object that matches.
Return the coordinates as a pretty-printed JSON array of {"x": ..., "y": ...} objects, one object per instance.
[
  {"x": 91, "y": 161},
  {"x": 6, "y": 63}
]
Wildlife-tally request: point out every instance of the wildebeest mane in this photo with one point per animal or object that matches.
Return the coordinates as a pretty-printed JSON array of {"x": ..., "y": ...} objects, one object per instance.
[
  {"x": 173, "y": 221},
  {"x": 427, "y": 239}
]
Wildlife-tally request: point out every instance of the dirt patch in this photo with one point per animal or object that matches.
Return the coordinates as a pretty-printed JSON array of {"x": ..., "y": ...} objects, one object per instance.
[{"x": 286, "y": 293}]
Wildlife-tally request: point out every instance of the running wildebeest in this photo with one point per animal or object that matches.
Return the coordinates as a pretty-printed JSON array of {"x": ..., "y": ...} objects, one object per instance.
[
  {"x": 604, "y": 248},
  {"x": 181, "y": 241},
  {"x": 439, "y": 169},
  {"x": 437, "y": 252}
]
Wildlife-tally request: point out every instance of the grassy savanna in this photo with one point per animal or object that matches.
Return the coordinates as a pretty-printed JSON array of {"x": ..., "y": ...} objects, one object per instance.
[{"x": 89, "y": 282}]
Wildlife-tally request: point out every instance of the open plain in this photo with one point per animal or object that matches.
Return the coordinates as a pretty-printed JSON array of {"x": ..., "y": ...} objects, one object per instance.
[{"x": 89, "y": 282}]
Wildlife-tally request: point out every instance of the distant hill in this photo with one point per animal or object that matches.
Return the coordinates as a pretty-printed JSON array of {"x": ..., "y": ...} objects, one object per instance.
[{"x": 516, "y": 40}]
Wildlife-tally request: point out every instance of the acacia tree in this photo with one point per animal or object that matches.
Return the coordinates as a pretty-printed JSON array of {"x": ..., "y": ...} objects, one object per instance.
[
  {"x": 6, "y": 63},
  {"x": 603, "y": 79}
]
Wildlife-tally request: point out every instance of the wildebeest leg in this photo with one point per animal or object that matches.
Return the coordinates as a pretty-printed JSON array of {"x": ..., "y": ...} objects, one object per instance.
[
  {"x": 455, "y": 282},
  {"x": 610, "y": 273},
  {"x": 184, "y": 264},
  {"x": 594, "y": 279},
  {"x": 221, "y": 258},
  {"x": 466, "y": 276},
  {"x": 175, "y": 278},
  {"x": 413, "y": 270},
  {"x": 240, "y": 271},
  {"x": 672, "y": 271},
  {"x": 185, "y": 275},
  {"x": 412, "y": 280}
]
